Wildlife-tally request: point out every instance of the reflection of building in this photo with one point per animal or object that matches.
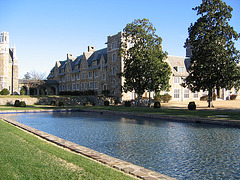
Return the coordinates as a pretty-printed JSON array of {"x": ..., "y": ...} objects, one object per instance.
[
  {"x": 8, "y": 65},
  {"x": 99, "y": 70}
]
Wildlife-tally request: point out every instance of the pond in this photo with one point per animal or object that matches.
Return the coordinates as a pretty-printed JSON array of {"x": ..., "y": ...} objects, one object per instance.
[{"x": 179, "y": 150}]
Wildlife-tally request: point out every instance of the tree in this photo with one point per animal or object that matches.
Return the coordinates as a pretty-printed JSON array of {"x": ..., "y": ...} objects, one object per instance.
[
  {"x": 144, "y": 65},
  {"x": 35, "y": 79},
  {"x": 214, "y": 57}
]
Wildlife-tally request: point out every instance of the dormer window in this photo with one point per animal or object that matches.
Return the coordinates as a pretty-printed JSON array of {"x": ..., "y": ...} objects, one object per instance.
[{"x": 180, "y": 69}]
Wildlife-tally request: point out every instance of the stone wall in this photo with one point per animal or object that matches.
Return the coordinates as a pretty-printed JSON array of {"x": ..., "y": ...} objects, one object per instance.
[{"x": 74, "y": 100}]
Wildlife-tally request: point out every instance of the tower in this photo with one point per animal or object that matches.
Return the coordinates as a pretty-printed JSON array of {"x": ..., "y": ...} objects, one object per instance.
[{"x": 8, "y": 65}]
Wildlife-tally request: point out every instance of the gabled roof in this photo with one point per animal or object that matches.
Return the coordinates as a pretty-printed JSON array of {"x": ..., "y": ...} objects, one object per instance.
[
  {"x": 96, "y": 56},
  {"x": 176, "y": 61}
]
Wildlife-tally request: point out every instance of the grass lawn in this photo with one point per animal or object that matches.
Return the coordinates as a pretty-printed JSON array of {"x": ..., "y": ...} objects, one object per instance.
[
  {"x": 24, "y": 156},
  {"x": 210, "y": 113}
]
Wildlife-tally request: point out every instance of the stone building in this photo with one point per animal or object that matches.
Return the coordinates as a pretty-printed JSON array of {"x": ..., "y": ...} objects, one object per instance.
[
  {"x": 8, "y": 65},
  {"x": 99, "y": 71},
  {"x": 94, "y": 70}
]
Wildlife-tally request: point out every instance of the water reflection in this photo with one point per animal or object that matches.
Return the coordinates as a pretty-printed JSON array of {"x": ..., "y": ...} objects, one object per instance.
[{"x": 180, "y": 150}]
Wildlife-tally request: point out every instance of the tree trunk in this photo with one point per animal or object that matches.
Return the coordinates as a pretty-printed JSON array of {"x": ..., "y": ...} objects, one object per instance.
[{"x": 210, "y": 97}]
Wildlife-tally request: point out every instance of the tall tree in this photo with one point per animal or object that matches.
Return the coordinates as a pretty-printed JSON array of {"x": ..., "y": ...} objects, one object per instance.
[
  {"x": 144, "y": 65},
  {"x": 214, "y": 57}
]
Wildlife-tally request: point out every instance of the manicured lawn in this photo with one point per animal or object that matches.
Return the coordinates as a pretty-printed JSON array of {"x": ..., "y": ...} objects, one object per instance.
[
  {"x": 24, "y": 156},
  {"x": 206, "y": 113}
]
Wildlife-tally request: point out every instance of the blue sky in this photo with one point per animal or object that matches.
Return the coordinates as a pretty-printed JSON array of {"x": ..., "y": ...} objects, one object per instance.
[{"x": 44, "y": 31}]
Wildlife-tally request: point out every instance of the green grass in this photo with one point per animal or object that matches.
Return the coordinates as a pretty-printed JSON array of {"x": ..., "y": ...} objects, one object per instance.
[
  {"x": 24, "y": 156},
  {"x": 231, "y": 115},
  {"x": 206, "y": 113}
]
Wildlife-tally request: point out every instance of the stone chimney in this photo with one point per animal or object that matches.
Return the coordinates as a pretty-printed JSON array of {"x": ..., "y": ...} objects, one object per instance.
[{"x": 91, "y": 48}]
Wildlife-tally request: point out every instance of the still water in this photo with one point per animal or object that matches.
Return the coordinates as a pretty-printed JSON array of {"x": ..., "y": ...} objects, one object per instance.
[{"x": 179, "y": 150}]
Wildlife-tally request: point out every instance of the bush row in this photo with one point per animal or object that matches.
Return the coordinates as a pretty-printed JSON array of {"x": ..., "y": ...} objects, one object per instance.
[
  {"x": 54, "y": 103},
  {"x": 78, "y": 93}
]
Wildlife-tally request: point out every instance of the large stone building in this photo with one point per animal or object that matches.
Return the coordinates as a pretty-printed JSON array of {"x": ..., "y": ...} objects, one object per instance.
[
  {"x": 96, "y": 70},
  {"x": 99, "y": 70},
  {"x": 8, "y": 65}
]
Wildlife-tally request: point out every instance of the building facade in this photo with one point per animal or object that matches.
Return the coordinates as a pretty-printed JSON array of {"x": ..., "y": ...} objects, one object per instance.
[
  {"x": 94, "y": 70},
  {"x": 8, "y": 65},
  {"x": 99, "y": 70}
]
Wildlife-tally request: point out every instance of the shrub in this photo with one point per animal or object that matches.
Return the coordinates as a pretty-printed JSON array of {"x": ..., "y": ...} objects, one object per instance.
[
  {"x": 60, "y": 103},
  {"x": 4, "y": 92},
  {"x": 163, "y": 98},
  {"x": 17, "y": 103},
  {"x": 116, "y": 102},
  {"x": 106, "y": 103},
  {"x": 127, "y": 104},
  {"x": 22, "y": 92},
  {"x": 157, "y": 105},
  {"x": 233, "y": 97},
  {"x": 23, "y": 104},
  {"x": 53, "y": 103},
  {"x": 166, "y": 98},
  {"x": 192, "y": 105}
]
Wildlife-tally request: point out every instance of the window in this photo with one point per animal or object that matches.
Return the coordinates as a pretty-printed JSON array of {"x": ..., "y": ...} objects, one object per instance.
[
  {"x": 103, "y": 76},
  {"x": 68, "y": 87},
  {"x": 102, "y": 65},
  {"x": 78, "y": 76},
  {"x": 86, "y": 86},
  {"x": 84, "y": 76},
  {"x": 96, "y": 74},
  {"x": 83, "y": 65},
  {"x": 180, "y": 69},
  {"x": 73, "y": 77},
  {"x": 114, "y": 70},
  {"x": 176, "y": 93},
  {"x": 63, "y": 79},
  {"x": 60, "y": 88},
  {"x": 90, "y": 85},
  {"x": 68, "y": 77},
  {"x": 195, "y": 95},
  {"x": 63, "y": 87},
  {"x": 186, "y": 93},
  {"x": 95, "y": 85},
  {"x": 114, "y": 45},
  {"x": 114, "y": 83},
  {"x": 90, "y": 74},
  {"x": 114, "y": 58},
  {"x": 73, "y": 86},
  {"x": 176, "y": 80},
  {"x": 77, "y": 86},
  {"x": 104, "y": 87}
]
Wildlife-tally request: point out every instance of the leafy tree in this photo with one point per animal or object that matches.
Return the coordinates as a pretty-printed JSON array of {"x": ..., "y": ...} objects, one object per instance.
[
  {"x": 214, "y": 57},
  {"x": 144, "y": 65}
]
